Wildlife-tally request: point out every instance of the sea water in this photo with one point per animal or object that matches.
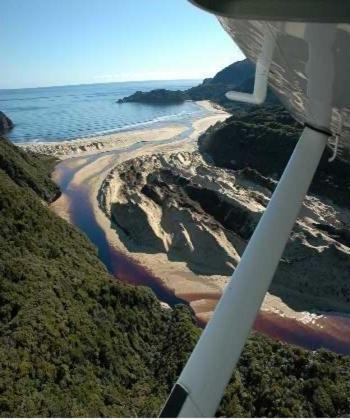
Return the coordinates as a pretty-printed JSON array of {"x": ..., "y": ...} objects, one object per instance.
[{"x": 69, "y": 112}]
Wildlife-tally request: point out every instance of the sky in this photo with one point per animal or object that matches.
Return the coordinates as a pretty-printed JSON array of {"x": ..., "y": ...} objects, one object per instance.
[{"x": 61, "y": 42}]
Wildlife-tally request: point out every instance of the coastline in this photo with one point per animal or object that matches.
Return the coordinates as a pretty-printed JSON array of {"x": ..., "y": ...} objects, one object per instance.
[
  {"x": 202, "y": 292},
  {"x": 95, "y": 163},
  {"x": 108, "y": 142},
  {"x": 91, "y": 168}
]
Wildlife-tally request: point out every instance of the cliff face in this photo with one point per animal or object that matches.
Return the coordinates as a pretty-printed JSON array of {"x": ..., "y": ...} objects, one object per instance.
[{"x": 5, "y": 123}]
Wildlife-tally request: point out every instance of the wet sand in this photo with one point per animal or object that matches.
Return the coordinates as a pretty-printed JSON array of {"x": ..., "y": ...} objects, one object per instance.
[
  {"x": 330, "y": 332},
  {"x": 86, "y": 171},
  {"x": 80, "y": 177},
  {"x": 116, "y": 141}
]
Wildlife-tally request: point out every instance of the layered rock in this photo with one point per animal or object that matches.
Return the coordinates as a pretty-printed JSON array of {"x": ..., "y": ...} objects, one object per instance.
[{"x": 181, "y": 206}]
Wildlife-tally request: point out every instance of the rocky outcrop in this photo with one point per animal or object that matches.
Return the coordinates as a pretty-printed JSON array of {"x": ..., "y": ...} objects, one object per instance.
[
  {"x": 5, "y": 123},
  {"x": 152, "y": 201},
  {"x": 237, "y": 76},
  {"x": 156, "y": 96},
  {"x": 179, "y": 205},
  {"x": 264, "y": 139}
]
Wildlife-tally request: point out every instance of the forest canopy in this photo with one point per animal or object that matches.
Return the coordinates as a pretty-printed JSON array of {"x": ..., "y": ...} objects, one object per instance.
[{"x": 74, "y": 341}]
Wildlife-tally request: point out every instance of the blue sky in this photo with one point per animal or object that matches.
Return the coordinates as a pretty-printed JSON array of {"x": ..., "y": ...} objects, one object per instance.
[{"x": 59, "y": 42}]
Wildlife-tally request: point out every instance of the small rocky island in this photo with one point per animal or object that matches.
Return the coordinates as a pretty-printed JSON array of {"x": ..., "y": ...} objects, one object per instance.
[
  {"x": 5, "y": 123},
  {"x": 157, "y": 96}
]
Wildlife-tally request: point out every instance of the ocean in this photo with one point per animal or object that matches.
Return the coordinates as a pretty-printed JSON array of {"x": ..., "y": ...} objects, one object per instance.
[{"x": 69, "y": 112}]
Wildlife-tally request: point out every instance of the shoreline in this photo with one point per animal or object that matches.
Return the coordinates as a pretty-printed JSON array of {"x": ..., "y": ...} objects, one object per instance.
[
  {"x": 86, "y": 146},
  {"x": 89, "y": 169}
]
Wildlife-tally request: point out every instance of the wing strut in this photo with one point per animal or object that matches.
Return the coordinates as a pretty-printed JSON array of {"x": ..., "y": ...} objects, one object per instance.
[
  {"x": 261, "y": 73},
  {"x": 202, "y": 382}
]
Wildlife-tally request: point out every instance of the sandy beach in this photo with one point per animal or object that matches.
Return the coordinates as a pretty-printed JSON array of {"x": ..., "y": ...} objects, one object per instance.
[
  {"x": 89, "y": 168},
  {"x": 116, "y": 141}
]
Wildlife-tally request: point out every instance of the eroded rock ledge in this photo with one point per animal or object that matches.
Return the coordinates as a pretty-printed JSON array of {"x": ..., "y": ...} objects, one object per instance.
[{"x": 203, "y": 215}]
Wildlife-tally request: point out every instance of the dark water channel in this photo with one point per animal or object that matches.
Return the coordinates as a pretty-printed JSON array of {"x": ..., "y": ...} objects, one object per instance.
[{"x": 331, "y": 332}]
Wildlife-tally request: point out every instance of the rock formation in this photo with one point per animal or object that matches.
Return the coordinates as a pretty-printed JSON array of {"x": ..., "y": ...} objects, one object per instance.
[
  {"x": 237, "y": 76},
  {"x": 5, "y": 123},
  {"x": 204, "y": 215},
  {"x": 157, "y": 96}
]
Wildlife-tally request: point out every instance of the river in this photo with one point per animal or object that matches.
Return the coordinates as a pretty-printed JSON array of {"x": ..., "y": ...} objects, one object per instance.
[{"x": 331, "y": 331}]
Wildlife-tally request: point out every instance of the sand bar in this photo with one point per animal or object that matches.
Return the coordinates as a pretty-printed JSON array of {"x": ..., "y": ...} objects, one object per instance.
[
  {"x": 90, "y": 169},
  {"x": 117, "y": 140}
]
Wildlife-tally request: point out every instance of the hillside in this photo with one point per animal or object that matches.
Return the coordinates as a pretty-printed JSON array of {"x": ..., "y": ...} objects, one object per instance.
[
  {"x": 29, "y": 170},
  {"x": 237, "y": 76},
  {"x": 75, "y": 341},
  {"x": 156, "y": 96},
  {"x": 263, "y": 139}
]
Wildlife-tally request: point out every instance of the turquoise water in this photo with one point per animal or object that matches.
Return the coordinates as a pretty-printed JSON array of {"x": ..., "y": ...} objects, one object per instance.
[{"x": 69, "y": 112}]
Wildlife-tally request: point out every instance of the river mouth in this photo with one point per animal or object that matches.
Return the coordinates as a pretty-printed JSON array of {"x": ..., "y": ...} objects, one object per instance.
[
  {"x": 331, "y": 331},
  {"x": 121, "y": 266}
]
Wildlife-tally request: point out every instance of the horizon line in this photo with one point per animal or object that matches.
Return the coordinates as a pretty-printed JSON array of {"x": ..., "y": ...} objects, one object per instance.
[{"x": 103, "y": 83}]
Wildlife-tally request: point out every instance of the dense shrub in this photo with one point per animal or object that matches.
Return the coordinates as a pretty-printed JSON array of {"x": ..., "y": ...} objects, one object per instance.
[
  {"x": 28, "y": 169},
  {"x": 74, "y": 341}
]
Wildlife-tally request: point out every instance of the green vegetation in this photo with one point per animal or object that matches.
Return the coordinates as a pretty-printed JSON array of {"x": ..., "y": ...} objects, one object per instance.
[
  {"x": 74, "y": 341},
  {"x": 157, "y": 96},
  {"x": 275, "y": 380},
  {"x": 29, "y": 170},
  {"x": 263, "y": 139}
]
